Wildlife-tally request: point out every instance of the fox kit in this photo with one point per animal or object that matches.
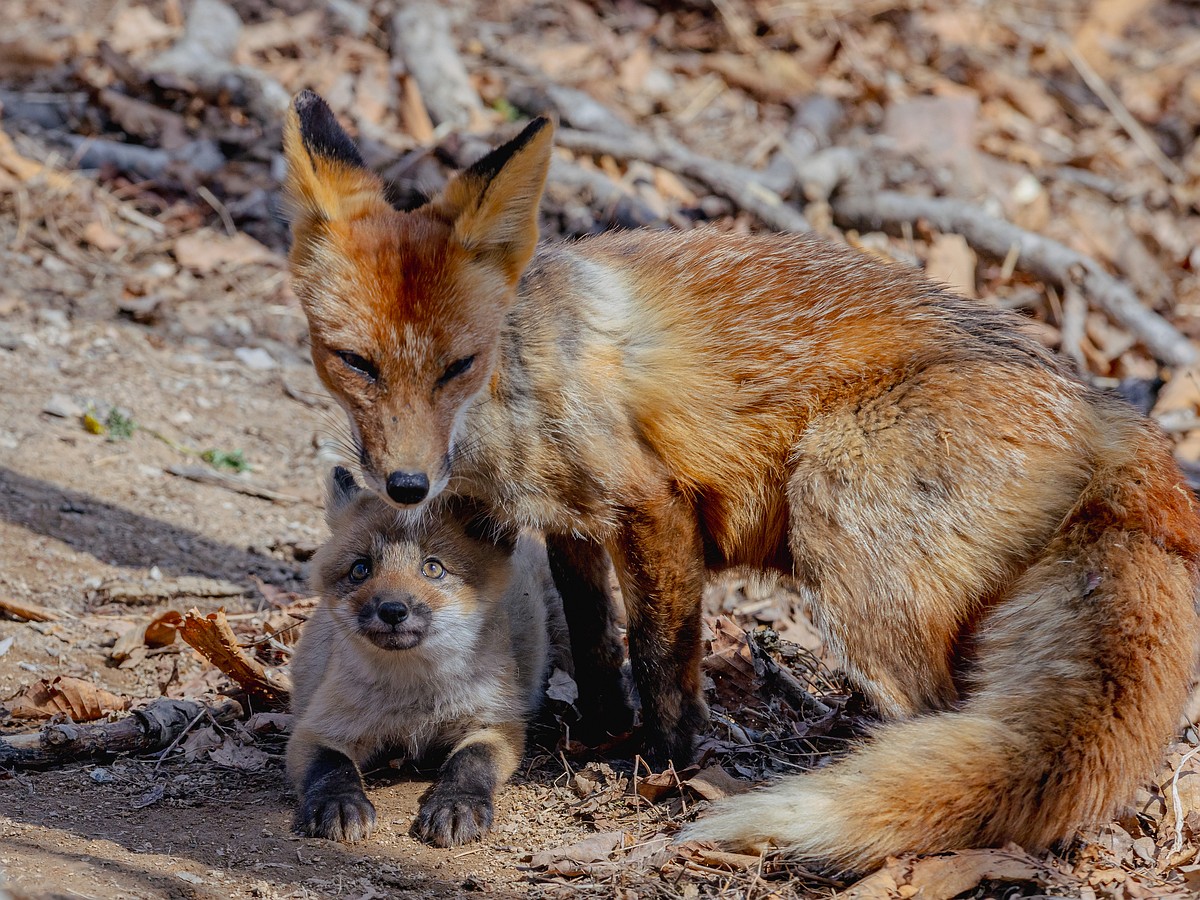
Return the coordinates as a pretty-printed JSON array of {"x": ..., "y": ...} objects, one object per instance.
[
  {"x": 1005, "y": 560},
  {"x": 430, "y": 636}
]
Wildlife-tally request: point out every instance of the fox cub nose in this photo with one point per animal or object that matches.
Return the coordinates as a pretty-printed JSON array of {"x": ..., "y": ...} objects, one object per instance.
[
  {"x": 393, "y": 612},
  {"x": 408, "y": 487}
]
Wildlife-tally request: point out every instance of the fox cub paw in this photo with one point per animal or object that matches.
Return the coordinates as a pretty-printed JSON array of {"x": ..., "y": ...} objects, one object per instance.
[
  {"x": 451, "y": 817},
  {"x": 346, "y": 815}
]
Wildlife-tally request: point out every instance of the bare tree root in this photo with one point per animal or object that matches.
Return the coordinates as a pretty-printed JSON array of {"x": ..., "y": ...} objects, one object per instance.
[{"x": 1042, "y": 257}]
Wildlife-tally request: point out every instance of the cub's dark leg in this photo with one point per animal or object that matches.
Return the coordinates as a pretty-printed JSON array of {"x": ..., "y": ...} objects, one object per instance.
[
  {"x": 459, "y": 808},
  {"x": 659, "y": 556},
  {"x": 332, "y": 801},
  {"x": 581, "y": 574}
]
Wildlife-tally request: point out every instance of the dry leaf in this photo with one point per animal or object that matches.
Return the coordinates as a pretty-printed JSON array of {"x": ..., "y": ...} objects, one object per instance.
[
  {"x": 136, "y": 30},
  {"x": 707, "y": 854},
  {"x": 654, "y": 787},
  {"x": 951, "y": 874},
  {"x": 952, "y": 261},
  {"x": 102, "y": 237},
  {"x": 200, "y": 742},
  {"x": 286, "y": 31},
  {"x": 74, "y": 697},
  {"x": 239, "y": 756},
  {"x": 562, "y": 687},
  {"x": 163, "y": 629},
  {"x": 570, "y": 860},
  {"x": 207, "y": 251},
  {"x": 714, "y": 783}
]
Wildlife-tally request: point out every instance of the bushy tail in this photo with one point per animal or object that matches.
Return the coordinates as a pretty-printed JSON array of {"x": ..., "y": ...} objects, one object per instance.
[{"x": 1080, "y": 676}]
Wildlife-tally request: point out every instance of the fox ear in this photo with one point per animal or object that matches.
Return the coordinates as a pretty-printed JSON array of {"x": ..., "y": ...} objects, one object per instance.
[
  {"x": 494, "y": 203},
  {"x": 339, "y": 491},
  {"x": 327, "y": 180}
]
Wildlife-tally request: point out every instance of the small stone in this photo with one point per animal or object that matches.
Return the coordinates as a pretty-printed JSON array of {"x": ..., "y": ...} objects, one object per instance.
[
  {"x": 63, "y": 406},
  {"x": 54, "y": 318},
  {"x": 255, "y": 358},
  {"x": 155, "y": 573},
  {"x": 100, "y": 775},
  {"x": 189, "y": 878}
]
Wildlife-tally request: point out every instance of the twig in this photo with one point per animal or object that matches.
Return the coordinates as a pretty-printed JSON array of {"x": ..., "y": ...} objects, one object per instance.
[
  {"x": 27, "y": 612},
  {"x": 1041, "y": 256},
  {"x": 216, "y": 479},
  {"x": 1131, "y": 125},
  {"x": 743, "y": 186},
  {"x": 421, "y": 39},
  {"x": 1177, "y": 845},
  {"x": 179, "y": 737},
  {"x": 619, "y": 205}
]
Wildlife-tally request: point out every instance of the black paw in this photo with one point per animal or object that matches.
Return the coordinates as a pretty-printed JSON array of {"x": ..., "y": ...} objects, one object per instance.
[
  {"x": 604, "y": 711},
  {"x": 344, "y": 816},
  {"x": 448, "y": 818},
  {"x": 664, "y": 746}
]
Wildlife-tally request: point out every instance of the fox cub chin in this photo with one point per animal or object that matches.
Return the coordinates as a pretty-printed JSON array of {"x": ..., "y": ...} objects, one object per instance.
[{"x": 431, "y": 636}]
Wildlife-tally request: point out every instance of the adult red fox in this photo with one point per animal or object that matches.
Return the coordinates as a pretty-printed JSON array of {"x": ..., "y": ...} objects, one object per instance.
[{"x": 1005, "y": 560}]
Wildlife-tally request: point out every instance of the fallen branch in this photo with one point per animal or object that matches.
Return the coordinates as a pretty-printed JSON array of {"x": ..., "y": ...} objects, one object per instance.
[
  {"x": 618, "y": 205},
  {"x": 1042, "y": 257},
  {"x": 26, "y": 612},
  {"x": 211, "y": 637},
  {"x": 743, "y": 186},
  {"x": 421, "y": 39},
  {"x": 145, "y": 730},
  {"x": 200, "y": 475}
]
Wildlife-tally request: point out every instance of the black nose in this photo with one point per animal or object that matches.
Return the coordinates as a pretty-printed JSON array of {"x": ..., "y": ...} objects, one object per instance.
[
  {"x": 393, "y": 612},
  {"x": 408, "y": 487}
]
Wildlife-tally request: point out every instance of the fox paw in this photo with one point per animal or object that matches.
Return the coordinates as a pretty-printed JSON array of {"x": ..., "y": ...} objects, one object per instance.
[
  {"x": 345, "y": 816},
  {"x": 453, "y": 817}
]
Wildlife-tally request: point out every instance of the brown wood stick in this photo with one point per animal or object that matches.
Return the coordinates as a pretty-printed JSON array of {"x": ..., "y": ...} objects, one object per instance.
[
  {"x": 27, "y": 612},
  {"x": 148, "y": 729}
]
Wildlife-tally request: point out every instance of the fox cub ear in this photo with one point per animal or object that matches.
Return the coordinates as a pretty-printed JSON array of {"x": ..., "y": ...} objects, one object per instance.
[
  {"x": 494, "y": 203},
  {"x": 339, "y": 491},
  {"x": 327, "y": 180}
]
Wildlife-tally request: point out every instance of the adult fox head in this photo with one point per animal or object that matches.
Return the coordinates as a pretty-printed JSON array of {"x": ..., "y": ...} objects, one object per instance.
[{"x": 405, "y": 309}]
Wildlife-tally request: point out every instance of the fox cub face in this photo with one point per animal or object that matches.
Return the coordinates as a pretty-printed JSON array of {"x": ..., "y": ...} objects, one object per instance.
[
  {"x": 405, "y": 309},
  {"x": 401, "y": 582}
]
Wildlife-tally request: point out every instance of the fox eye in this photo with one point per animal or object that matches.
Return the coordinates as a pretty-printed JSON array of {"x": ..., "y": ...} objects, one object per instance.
[
  {"x": 359, "y": 364},
  {"x": 360, "y": 571},
  {"x": 456, "y": 368},
  {"x": 432, "y": 568}
]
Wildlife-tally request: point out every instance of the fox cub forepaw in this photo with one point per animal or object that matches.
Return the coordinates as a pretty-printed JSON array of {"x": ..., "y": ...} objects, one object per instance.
[
  {"x": 448, "y": 818},
  {"x": 343, "y": 816}
]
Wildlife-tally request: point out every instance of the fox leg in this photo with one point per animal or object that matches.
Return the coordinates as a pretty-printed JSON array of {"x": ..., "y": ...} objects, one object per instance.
[
  {"x": 333, "y": 803},
  {"x": 459, "y": 808},
  {"x": 581, "y": 574},
  {"x": 659, "y": 560}
]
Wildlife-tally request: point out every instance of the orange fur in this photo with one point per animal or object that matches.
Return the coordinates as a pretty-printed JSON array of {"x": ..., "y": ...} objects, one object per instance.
[{"x": 989, "y": 545}]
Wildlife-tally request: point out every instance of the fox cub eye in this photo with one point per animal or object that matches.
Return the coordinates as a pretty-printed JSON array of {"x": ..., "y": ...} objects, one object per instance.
[
  {"x": 360, "y": 571},
  {"x": 359, "y": 364},
  {"x": 456, "y": 368},
  {"x": 432, "y": 569}
]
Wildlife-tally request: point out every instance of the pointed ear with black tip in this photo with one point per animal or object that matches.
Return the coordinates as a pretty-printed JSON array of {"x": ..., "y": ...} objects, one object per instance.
[
  {"x": 327, "y": 180},
  {"x": 494, "y": 204},
  {"x": 340, "y": 490}
]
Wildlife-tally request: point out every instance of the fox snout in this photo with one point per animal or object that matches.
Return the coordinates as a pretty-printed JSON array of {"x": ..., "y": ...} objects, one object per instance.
[
  {"x": 394, "y": 622},
  {"x": 407, "y": 488}
]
